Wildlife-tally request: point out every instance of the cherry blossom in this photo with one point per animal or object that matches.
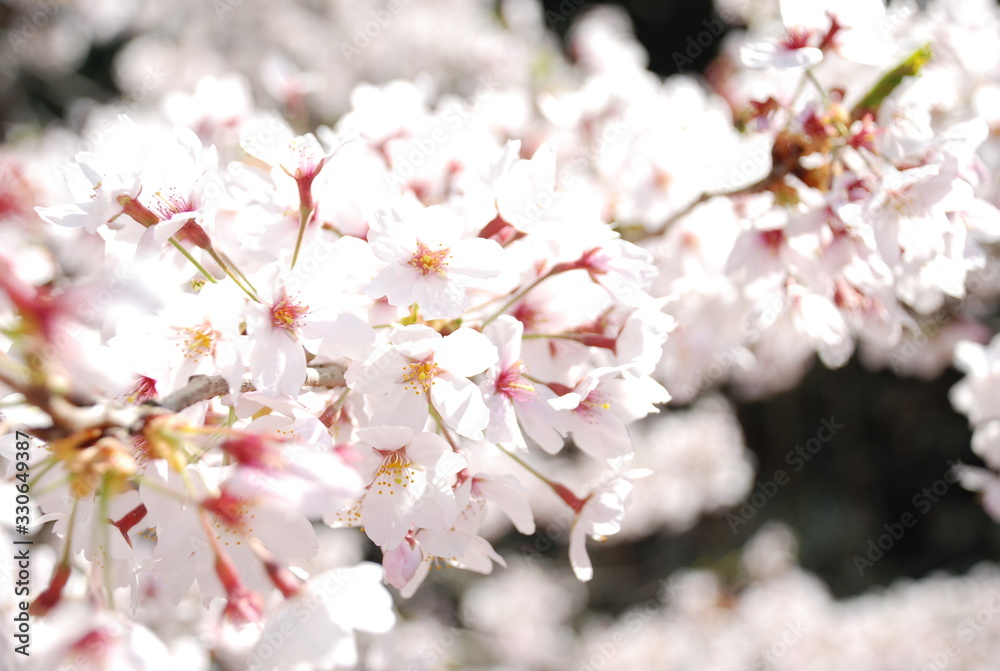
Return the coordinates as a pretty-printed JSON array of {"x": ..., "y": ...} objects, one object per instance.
[
  {"x": 517, "y": 405},
  {"x": 418, "y": 369},
  {"x": 316, "y": 626},
  {"x": 430, "y": 264},
  {"x": 411, "y": 483}
]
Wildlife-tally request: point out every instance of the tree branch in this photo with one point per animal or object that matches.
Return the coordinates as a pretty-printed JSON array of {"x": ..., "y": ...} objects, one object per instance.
[{"x": 204, "y": 387}]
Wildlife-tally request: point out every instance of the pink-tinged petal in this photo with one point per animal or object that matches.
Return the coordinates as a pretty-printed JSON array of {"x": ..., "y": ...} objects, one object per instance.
[
  {"x": 401, "y": 407},
  {"x": 390, "y": 239},
  {"x": 461, "y": 405},
  {"x": 426, "y": 449},
  {"x": 231, "y": 367},
  {"x": 465, "y": 352},
  {"x": 568, "y": 401},
  {"x": 397, "y": 282},
  {"x": 467, "y": 551},
  {"x": 449, "y": 464},
  {"x": 346, "y": 335},
  {"x": 955, "y": 195},
  {"x": 377, "y": 374},
  {"x": 357, "y": 598},
  {"x": 475, "y": 257},
  {"x": 310, "y": 482},
  {"x": 436, "y": 507},
  {"x": 503, "y": 426},
  {"x": 438, "y": 297},
  {"x": 282, "y": 531},
  {"x": 401, "y": 563},
  {"x": 775, "y": 55},
  {"x": 505, "y": 332},
  {"x": 66, "y": 215},
  {"x": 388, "y": 505},
  {"x": 314, "y": 641},
  {"x": 508, "y": 494},
  {"x": 435, "y": 225},
  {"x": 415, "y": 341},
  {"x": 479, "y": 556},
  {"x": 603, "y": 437},
  {"x": 165, "y": 229},
  {"x": 334, "y": 603},
  {"x": 541, "y": 422},
  {"x": 443, "y": 542},
  {"x": 278, "y": 362},
  {"x": 578, "y": 556},
  {"x": 418, "y": 579},
  {"x": 147, "y": 248},
  {"x": 386, "y": 438}
]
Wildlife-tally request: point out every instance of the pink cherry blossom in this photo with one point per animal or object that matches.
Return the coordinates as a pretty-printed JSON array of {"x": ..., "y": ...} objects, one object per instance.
[
  {"x": 429, "y": 261},
  {"x": 418, "y": 368},
  {"x": 412, "y": 483}
]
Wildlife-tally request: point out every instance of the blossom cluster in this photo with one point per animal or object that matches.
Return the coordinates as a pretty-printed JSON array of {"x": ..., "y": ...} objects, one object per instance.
[{"x": 234, "y": 332}]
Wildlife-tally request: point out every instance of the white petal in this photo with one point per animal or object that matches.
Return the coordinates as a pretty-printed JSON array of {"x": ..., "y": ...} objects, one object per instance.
[
  {"x": 386, "y": 437},
  {"x": 509, "y": 496},
  {"x": 402, "y": 407},
  {"x": 578, "y": 556},
  {"x": 461, "y": 405},
  {"x": 465, "y": 352},
  {"x": 475, "y": 257}
]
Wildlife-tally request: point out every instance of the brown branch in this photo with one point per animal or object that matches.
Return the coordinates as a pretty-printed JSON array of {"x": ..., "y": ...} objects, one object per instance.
[{"x": 204, "y": 387}]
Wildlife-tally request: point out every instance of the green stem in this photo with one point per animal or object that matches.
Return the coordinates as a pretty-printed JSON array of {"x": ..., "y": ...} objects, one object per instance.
[
  {"x": 229, "y": 262},
  {"x": 305, "y": 211},
  {"x": 104, "y": 520},
  {"x": 66, "y": 554},
  {"x": 528, "y": 467},
  {"x": 225, "y": 266},
  {"x": 441, "y": 425},
  {"x": 187, "y": 255},
  {"x": 46, "y": 467}
]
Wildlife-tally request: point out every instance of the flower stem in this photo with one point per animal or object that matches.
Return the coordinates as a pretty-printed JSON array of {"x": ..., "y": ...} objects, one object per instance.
[
  {"x": 229, "y": 268},
  {"x": 562, "y": 491},
  {"x": 187, "y": 255},
  {"x": 519, "y": 295},
  {"x": 305, "y": 213}
]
